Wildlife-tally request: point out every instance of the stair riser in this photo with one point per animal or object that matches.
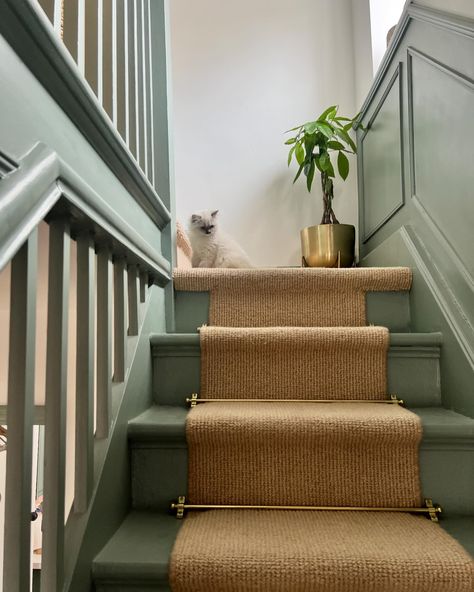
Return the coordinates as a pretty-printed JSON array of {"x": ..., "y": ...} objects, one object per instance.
[
  {"x": 387, "y": 309},
  {"x": 413, "y": 374},
  {"x": 159, "y": 474}
]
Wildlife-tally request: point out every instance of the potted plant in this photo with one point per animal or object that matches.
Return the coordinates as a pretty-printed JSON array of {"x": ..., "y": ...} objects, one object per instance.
[{"x": 314, "y": 144}]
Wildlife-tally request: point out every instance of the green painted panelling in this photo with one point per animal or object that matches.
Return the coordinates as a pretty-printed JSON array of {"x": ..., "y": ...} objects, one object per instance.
[
  {"x": 387, "y": 309},
  {"x": 381, "y": 156},
  {"x": 159, "y": 458},
  {"x": 431, "y": 310},
  {"x": 413, "y": 368},
  {"x": 432, "y": 232}
]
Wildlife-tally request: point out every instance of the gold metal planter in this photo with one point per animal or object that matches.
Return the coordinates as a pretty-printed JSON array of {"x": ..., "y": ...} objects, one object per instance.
[{"x": 328, "y": 245}]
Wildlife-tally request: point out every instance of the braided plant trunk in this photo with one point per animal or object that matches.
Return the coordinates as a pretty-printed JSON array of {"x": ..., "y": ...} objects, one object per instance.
[{"x": 327, "y": 186}]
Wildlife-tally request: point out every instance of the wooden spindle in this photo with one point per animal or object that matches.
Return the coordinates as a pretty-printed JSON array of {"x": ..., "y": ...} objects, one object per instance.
[
  {"x": 143, "y": 286},
  {"x": 84, "y": 451},
  {"x": 120, "y": 333},
  {"x": 81, "y": 35},
  {"x": 132, "y": 300},
  {"x": 52, "y": 571},
  {"x": 149, "y": 86},
  {"x": 130, "y": 67},
  {"x": 91, "y": 49},
  {"x": 143, "y": 89},
  {"x": 104, "y": 343},
  {"x": 137, "y": 69},
  {"x": 21, "y": 387}
]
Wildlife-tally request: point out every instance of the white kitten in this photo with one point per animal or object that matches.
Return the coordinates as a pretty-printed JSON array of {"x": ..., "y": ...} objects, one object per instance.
[{"x": 211, "y": 247}]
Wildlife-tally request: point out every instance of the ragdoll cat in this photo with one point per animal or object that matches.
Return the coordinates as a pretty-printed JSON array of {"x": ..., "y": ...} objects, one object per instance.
[{"x": 211, "y": 247}]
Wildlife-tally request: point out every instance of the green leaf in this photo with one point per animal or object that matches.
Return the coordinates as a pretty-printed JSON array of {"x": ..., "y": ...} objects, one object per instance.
[
  {"x": 290, "y": 154},
  {"x": 346, "y": 138},
  {"x": 335, "y": 145},
  {"x": 348, "y": 126},
  {"x": 298, "y": 173},
  {"x": 299, "y": 153},
  {"x": 324, "y": 161},
  {"x": 343, "y": 119},
  {"x": 310, "y": 175},
  {"x": 311, "y": 127},
  {"x": 330, "y": 170},
  {"x": 343, "y": 165},
  {"x": 294, "y": 129},
  {"x": 316, "y": 160},
  {"x": 291, "y": 141},
  {"x": 326, "y": 114},
  {"x": 325, "y": 129}
]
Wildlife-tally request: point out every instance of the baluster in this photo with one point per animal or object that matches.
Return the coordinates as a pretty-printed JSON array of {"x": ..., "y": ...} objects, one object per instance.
[
  {"x": 149, "y": 84},
  {"x": 132, "y": 300},
  {"x": 104, "y": 346},
  {"x": 107, "y": 65},
  {"x": 52, "y": 571},
  {"x": 21, "y": 386},
  {"x": 81, "y": 35},
  {"x": 130, "y": 68},
  {"x": 120, "y": 333},
  {"x": 143, "y": 90},
  {"x": 143, "y": 286},
  {"x": 100, "y": 51},
  {"x": 159, "y": 19},
  {"x": 58, "y": 17},
  {"x": 84, "y": 458},
  {"x": 121, "y": 84},
  {"x": 137, "y": 68},
  {"x": 114, "y": 61}
]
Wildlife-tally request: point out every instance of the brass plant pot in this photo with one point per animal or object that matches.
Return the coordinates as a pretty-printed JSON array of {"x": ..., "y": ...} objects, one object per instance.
[{"x": 328, "y": 245}]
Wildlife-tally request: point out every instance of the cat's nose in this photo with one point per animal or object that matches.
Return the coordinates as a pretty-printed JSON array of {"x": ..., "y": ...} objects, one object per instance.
[{"x": 208, "y": 231}]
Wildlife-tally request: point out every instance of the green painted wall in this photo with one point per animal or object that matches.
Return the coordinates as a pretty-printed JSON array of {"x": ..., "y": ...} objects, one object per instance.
[{"x": 416, "y": 178}]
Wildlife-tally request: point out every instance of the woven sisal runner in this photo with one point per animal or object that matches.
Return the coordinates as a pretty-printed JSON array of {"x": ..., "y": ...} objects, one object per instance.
[
  {"x": 290, "y": 297},
  {"x": 294, "y": 363},
  {"x": 277, "y": 551},
  {"x": 342, "y": 454}
]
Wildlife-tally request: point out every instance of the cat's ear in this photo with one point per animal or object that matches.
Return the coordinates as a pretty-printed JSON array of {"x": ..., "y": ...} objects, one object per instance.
[
  {"x": 195, "y": 218},
  {"x": 214, "y": 213}
]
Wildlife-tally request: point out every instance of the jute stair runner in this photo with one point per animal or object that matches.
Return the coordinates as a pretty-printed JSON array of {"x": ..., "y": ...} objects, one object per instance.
[
  {"x": 306, "y": 453},
  {"x": 303, "y": 454},
  {"x": 290, "y": 297},
  {"x": 278, "y": 551},
  {"x": 294, "y": 363}
]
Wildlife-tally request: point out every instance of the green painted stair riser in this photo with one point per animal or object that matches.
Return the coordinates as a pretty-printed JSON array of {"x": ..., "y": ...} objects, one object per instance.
[
  {"x": 388, "y": 309},
  {"x": 159, "y": 460},
  {"x": 413, "y": 369}
]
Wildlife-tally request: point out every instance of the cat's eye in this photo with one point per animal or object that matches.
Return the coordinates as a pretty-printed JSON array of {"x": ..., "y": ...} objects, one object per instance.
[{"x": 211, "y": 226}]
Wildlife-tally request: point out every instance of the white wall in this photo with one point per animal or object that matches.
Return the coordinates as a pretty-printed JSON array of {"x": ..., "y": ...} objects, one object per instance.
[
  {"x": 243, "y": 73},
  {"x": 384, "y": 14},
  {"x": 362, "y": 50}
]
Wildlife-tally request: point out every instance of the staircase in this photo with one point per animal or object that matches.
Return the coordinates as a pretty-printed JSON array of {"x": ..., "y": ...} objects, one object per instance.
[{"x": 290, "y": 550}]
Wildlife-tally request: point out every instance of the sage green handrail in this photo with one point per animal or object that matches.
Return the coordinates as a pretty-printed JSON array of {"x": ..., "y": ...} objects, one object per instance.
[{"x": 41, "y": 179}]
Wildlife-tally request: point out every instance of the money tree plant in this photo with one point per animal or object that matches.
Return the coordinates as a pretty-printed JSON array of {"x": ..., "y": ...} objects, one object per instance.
[{"x": 314, "y": 146}]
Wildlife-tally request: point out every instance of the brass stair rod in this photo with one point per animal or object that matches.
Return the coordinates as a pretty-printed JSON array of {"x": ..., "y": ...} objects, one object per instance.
[
  {"x": 194, "y": 400},
  {"x": 181, "y": 506}
]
